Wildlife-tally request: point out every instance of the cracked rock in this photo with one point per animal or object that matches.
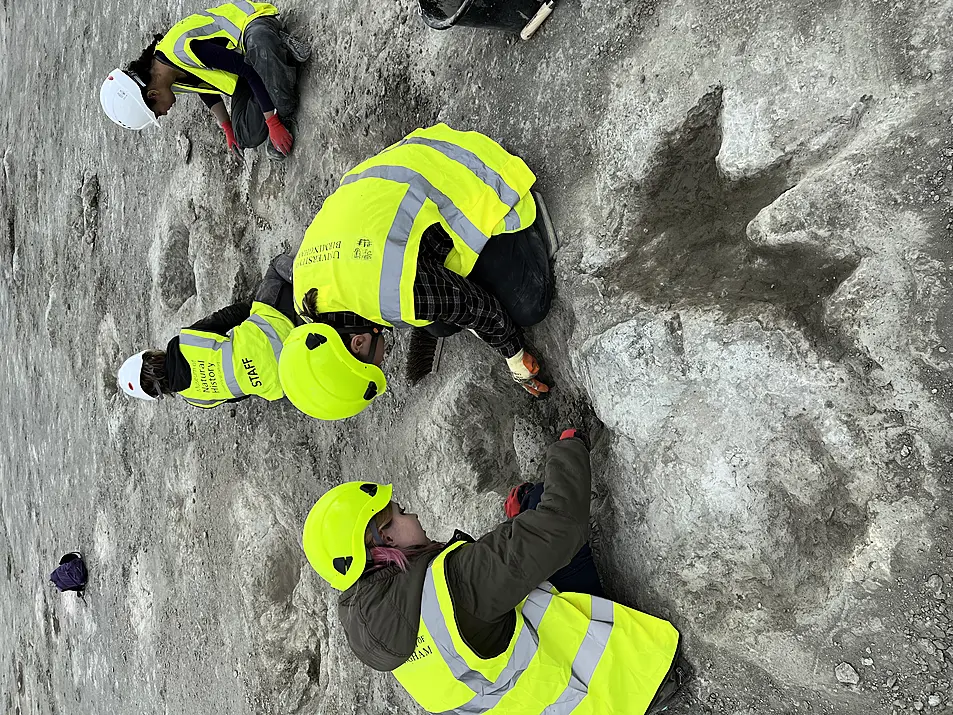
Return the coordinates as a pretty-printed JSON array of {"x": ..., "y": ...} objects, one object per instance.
[{"x": 846, "y": 674}]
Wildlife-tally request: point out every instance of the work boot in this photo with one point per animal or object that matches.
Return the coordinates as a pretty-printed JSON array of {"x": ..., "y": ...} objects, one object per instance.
[
  {"x": 544, "y": 224},
  {"x": 271, "y": 152},
  {"x": 299, "y": 50}
]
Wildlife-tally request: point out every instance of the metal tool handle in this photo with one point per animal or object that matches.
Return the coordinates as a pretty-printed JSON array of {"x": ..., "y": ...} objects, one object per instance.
[{"x": 532, "y": 26}]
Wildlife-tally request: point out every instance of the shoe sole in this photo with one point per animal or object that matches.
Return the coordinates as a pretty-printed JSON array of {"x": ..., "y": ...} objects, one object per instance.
[
  {"x": 548, "y": 228},
  {"x": 295, "y": 52}
]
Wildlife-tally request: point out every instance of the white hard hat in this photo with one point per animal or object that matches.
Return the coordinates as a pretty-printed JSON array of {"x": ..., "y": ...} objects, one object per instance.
[
  {"x": 121, "y": 97},
  {"x": 130, "y": 377}
]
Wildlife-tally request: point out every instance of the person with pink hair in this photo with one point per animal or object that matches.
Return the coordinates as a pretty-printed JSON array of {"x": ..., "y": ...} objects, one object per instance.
[{"x": 514, "y": 622}]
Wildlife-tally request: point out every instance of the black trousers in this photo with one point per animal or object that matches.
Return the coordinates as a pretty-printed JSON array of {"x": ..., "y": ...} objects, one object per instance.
[
  {"x": 515, "y": 268},
  {"x": 275, "y": 288},
  {"x": 265, "y": 51}
]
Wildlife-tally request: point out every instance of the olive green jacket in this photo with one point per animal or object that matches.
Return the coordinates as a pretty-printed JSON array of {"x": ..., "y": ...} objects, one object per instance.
[{"x": 381, "y": 612}]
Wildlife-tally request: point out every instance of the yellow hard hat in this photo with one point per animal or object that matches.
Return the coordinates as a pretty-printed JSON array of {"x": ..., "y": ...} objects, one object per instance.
[
  {"x": 333, "y": 536},
  {"x": 324, "y": 379}
]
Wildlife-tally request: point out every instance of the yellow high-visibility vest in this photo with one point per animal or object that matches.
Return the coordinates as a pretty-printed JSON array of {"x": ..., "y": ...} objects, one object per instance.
[
  {"x": 243, "y": 362},
  {"x": 360, "y": 251},
  {"x": 570, "y": 653},
  {"x": 226, "y": 21}
]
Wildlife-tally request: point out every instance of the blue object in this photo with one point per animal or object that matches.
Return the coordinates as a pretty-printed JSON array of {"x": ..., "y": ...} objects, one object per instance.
[{"x": 71, "y": 574}]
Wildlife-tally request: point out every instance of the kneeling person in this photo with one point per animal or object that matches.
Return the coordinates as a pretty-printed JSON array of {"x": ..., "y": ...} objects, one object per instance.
[
  {"x": 479, "y": 626},
  {"x": 239, "y": 49},
  {"x": 439, "y": 232},
  {"x": 225, "y": 357}
]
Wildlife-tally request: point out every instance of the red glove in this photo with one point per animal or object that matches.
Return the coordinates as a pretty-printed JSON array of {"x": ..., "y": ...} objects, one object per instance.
[
  {"x": 573, "y": 433},
  {"x": 512, "y": 504},
  {"x": 230, "y": 140},
  {"x": 279, "y": 135}
]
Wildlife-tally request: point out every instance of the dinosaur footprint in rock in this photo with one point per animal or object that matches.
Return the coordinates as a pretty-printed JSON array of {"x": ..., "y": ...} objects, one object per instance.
[{"x": 687, "y": 245}]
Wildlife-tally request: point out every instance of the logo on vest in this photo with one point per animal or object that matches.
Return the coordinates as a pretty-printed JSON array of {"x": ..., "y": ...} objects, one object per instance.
[
  {"x": 422, "y": 651},
  {"x": 362, "y": 251},
  {"x": 320, "y": 253},
  {"x": 251, "y": 371},
  {"x": 208, "y": 377}
]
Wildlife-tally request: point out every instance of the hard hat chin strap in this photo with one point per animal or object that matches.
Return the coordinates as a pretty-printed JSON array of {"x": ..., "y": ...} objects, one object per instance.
[
  {"x": 135, "y": 77},
  {"x": 376, "y": 336},
  {"x": 158, "y": 388},
  {"x": 375, "y": 533}
]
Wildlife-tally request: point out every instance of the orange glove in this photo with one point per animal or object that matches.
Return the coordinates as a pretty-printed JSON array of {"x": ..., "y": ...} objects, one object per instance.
[
  {"x": 279, "y": 135},
  {"x": 524, "y": 369}
]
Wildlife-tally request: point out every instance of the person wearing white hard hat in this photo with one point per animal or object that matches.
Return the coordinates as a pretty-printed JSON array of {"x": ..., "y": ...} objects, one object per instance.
[
  {"x": 122, "y": 100},
  {"x": 225, "y": 357},
  {"x": 238, "y": 49}
]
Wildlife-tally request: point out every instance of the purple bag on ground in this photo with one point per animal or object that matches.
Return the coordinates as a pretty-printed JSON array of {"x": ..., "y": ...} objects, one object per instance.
[{"x": 71, "y": 574}]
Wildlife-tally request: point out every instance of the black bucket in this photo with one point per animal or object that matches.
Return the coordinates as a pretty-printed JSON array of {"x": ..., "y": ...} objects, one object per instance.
[{"x": 490, "y": 14}]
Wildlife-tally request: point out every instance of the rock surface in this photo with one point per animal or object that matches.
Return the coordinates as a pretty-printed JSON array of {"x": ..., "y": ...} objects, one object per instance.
[
  {"x": 754, "y": 297},
  {"x": 846, "y": 674}
]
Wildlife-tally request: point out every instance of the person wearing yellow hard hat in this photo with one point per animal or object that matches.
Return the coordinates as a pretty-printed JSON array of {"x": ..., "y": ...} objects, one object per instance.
[
  {"x": 225, "y": 357},
  {"x": 509, "y": 623},
  {"x": 329, "y": 375},
  {"x": 439, "y": 232},
  {"x": 239, "y": 49}
]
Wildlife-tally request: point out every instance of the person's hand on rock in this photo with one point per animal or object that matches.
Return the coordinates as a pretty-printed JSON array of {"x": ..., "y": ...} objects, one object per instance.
[
  {"x": 279, "y": 135},
  {"x": 230, "y": 141}
]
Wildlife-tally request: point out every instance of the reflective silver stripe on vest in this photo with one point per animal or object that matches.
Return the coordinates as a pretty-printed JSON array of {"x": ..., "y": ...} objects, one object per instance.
[
  {"x": 200, "y": 403},
  {"x": 418, "y": 191},
  {"x": 197, "y": 341},
  {"x": 423, "y": 189},
  {"x": 218, "y": 23},
  {"x": 394, "y": 249},
  {"x": 486, "y": 694},
  {"x": 225, "y": 347},
  {"x": 587, "y": 658},
  {"x": 269, "y": 332},
  {"x": 506, "y": 193}
]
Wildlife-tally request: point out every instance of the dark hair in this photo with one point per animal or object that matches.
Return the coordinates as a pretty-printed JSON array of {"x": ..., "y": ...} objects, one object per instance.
[
  {"x": 152, "y": 376},
  {"x": 309, "y": 311},
  {"x": 309, "y": 306},
  {"x": 143, "y": 66}
]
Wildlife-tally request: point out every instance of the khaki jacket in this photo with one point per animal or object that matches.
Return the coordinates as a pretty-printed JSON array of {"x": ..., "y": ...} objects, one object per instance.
[{"x": 381, "y": 612}]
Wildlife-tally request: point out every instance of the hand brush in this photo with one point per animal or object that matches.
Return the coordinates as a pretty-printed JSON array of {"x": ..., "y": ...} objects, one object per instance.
[{"x": 423, "y": 357}]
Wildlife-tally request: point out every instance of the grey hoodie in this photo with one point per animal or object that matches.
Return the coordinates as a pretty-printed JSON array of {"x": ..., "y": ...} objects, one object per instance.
[{"x": 487, "y": 579}]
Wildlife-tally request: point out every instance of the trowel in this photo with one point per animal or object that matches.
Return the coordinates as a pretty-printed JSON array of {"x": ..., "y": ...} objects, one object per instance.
[{"x": 545, "y": 10}]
